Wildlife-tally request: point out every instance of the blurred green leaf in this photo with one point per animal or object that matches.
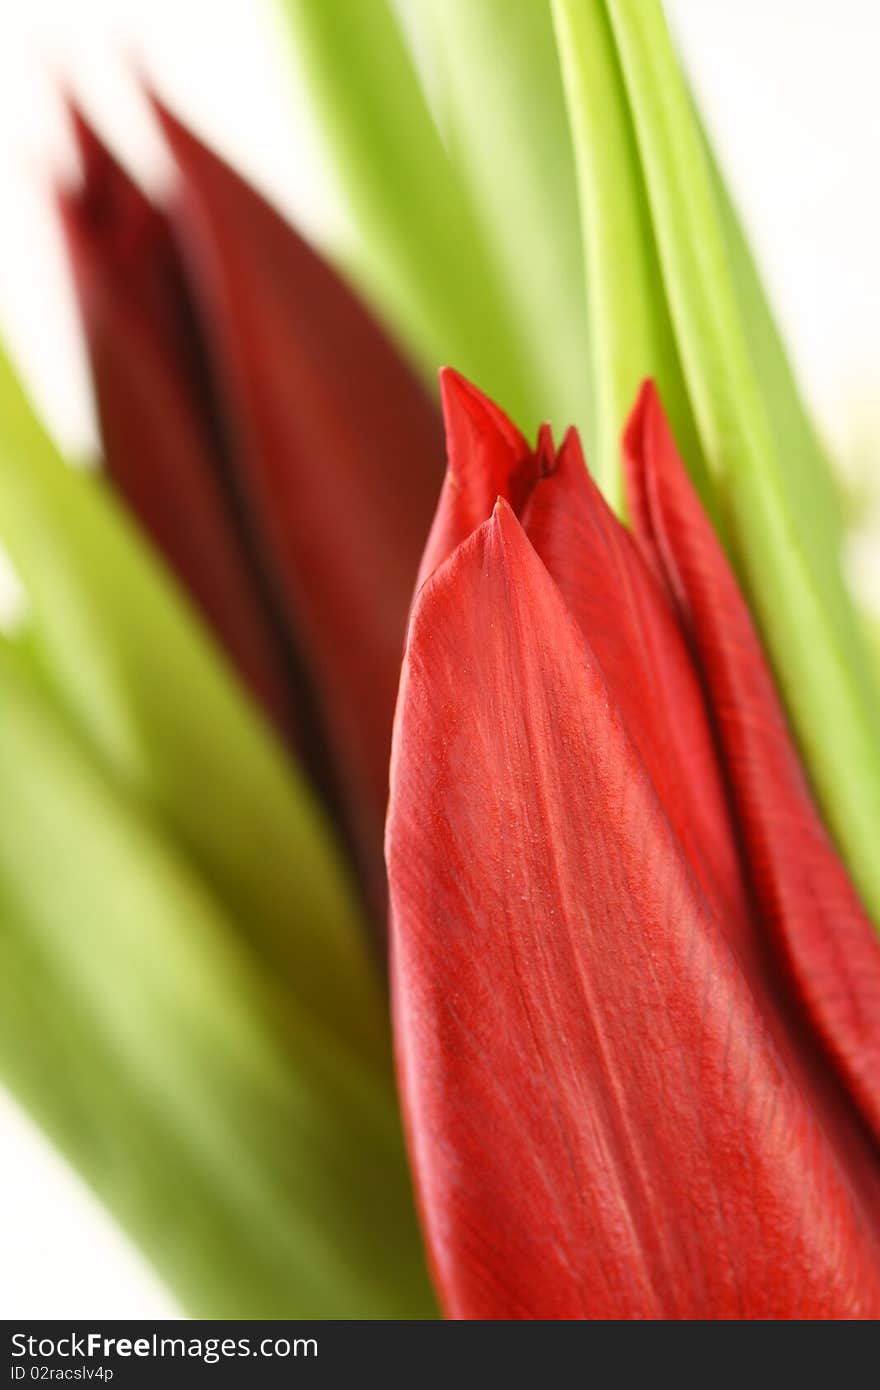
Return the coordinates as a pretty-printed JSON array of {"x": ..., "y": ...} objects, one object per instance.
[
  {"x": 819, "y": 499},
  {"x": 492, "y": 72},
  {"x": 871, "y": 624},
  {"x": 774, "y": 496},
  {"x": 631, "y": 335},
  {"x": 257, "y": 1161},
  {"x": 129, "y": 661},
  {"x": 20, "y": 651},
  {"x": 423, "y": 256}
]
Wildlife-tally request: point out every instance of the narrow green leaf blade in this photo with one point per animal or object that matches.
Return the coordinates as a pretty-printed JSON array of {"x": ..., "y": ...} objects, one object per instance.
[
  {"x": 422, "y": 254},
  {"x": 783, "y": 533},
  {"x": 257, "y": 1162},
  {"x": 631, "y": 335},
  {"x": 492, "y": 72}
]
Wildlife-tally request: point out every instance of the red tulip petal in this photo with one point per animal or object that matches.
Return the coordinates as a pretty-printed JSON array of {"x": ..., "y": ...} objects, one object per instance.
[
  {"x": 630, "y": 625},
  {"x": 161, "y": 441},
  {"x": 599, "y": 1123},
  {"x": 487, "y": 457},
  {"x": 806, "y": 899},
  {"x": 340, "y": 454},
  {"x": 622, "y": 611},
  {"x": 627, "y": 618}
]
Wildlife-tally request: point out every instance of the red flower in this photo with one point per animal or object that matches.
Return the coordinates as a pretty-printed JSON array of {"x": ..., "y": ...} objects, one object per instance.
[
  {"x": 637, "y": 1002},
  {"x": 272, "y": 442}
]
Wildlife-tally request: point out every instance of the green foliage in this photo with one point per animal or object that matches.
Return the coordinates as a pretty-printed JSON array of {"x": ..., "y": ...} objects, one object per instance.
[{"x": 187, "y": 997}]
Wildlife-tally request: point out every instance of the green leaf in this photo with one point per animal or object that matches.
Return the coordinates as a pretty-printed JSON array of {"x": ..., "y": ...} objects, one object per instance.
[
  {"x": 137, "y": 674},
  {"x": 492, "y": 73},
  {"x": 871, "y": 625},
  {"x": 818, "y": 495},
  {"x": 783, "y": 531},
  {"x": 20, "y": 651},
  {"x": 257, "y": 1161},
  {"x": 423, "y": 257},
  {"x": 631, "y": 335}
]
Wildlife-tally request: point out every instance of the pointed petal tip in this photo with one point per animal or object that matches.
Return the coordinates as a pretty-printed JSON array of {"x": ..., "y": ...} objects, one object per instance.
[
  {"x": 150, "y": 92},
  {"x": 95, "y": 195},
  {"x": 102, "y": 203},
  {"x": 646, "y": 446},
  {"x": 572, "y": 468},
  {"x": 645, "y": 410},
  {"x": 487, "y": 457},
  {"x": 572, "y": 448},
  {"x": 505, "y": 532},
  {"x": 545, "y": 450},
  {"x": 177, "y": 135},
  {"x": 449, "y": 375},
  {"x": 466, "y": 410},
  {"x": 458, "y": 394},
  {"x": 95, "y": 159}
]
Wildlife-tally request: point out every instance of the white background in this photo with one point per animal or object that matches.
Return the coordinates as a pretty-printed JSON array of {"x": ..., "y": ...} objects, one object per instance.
[{"x": 791, "y": 93}]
